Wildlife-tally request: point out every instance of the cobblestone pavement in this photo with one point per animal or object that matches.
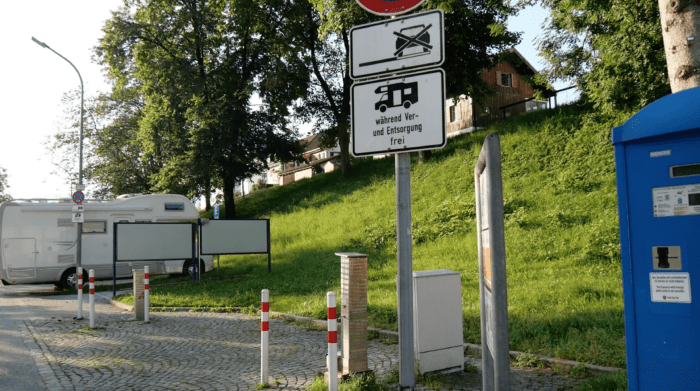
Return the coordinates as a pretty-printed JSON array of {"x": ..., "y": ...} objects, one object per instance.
[{"x": 200, "y": 351}]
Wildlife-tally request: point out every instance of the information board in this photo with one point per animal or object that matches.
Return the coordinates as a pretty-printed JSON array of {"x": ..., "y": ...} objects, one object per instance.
[
  {"x": 235, "y": 237},
  {"x": 239, "y": 236},
  {"x": 154, "y": 241}
]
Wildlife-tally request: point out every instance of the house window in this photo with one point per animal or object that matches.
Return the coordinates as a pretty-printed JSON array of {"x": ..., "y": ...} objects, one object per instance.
[
  {"x": 452, "y": 113},
  {"x": 506, "y": 80},
  {"x": 487, "y": 109}
]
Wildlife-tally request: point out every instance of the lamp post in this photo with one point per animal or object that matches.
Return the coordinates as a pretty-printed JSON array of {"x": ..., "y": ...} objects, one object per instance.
[{"x": 79, "y": 242}]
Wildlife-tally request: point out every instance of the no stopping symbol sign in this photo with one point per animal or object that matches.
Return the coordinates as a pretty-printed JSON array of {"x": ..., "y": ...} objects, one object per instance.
[
  {"x": 78, "y": 197},
  {"x": 389, "y": 7}
]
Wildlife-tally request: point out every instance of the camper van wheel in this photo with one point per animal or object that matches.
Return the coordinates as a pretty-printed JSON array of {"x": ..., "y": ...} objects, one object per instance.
[
  {"x": 187, "y": 269},
  {"x": 382, "y": 108},
  {"x": 69, "y": 279},
  {"x": 406, "y": 104}
]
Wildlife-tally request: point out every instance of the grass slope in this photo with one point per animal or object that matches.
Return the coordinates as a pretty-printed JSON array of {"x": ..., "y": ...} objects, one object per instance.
[{"x": 564, "y": 281}]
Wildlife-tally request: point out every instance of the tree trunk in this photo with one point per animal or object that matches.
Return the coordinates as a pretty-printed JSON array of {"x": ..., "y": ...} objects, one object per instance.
[
  {"x": 229, "y": 203},
  {"x": 344, "y": 141},
  {"x": 207, "y": 195},
  {"x": 680, "y": 27},
  {"x": 424, "y": 156}
]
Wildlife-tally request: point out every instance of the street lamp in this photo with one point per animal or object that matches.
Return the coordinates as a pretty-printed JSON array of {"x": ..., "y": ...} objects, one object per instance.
[{"x": 79, "y": 243}]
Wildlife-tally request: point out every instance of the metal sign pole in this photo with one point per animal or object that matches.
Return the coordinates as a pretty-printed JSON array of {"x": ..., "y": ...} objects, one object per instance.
[
  {"x": 492, "y": 267},
  {"x": 404, "y": 281}
]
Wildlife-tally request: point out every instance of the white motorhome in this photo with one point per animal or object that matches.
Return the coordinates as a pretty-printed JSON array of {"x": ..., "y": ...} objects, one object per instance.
[{"x": 38, "y": 238}]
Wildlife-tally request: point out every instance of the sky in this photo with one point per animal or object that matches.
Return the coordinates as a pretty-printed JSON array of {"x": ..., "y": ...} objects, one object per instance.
[{"x": 36, "y": 79}]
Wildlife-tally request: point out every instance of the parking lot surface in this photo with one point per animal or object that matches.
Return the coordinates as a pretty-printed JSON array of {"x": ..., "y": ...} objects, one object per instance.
[{"x": 193, "y": 350}]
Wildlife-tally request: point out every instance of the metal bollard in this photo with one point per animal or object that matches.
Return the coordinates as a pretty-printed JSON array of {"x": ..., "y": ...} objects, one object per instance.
[
  {"x": 80, "y": 293},
  {"x": 146, "y": 294},
  {"x": 92, "y": 299},
  {"x": 332, "y": 343},
  {"x": 264, "y": 337}
]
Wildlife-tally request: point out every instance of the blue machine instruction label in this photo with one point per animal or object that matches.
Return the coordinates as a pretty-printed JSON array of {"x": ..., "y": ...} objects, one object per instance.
[
  {"x": 676, "y": 200},
  {"x": 670, "y": 287}
]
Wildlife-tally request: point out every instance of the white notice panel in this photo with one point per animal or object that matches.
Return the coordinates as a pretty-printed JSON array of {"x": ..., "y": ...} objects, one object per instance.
[
  {"x": 235, "y": 237},
  {"x": 154, "y": 241},
  {"x": 399, "y": 114},
  {"x": 670, "y": 287}
]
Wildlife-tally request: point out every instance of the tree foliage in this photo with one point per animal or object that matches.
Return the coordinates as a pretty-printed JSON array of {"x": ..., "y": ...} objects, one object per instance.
[
  {"x": 3, "y": 186},
  {"x": 613, "y": 49},
  {"x": 183, "y": 74}
]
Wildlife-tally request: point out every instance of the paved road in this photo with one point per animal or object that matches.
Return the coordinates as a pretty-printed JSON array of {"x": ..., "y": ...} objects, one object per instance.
[{"x": 176, "y": 351}]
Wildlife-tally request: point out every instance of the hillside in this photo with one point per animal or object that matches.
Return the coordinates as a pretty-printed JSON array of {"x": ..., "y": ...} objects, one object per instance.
[{"x": 564, "y": 283}]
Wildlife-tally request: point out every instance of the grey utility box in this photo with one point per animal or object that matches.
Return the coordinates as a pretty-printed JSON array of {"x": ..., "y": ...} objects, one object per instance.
[{"x": 437, "y": 320}]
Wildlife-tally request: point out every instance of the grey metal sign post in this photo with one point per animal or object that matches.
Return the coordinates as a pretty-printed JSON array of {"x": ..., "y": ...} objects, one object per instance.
[
  {"x": 492, "y": 266},
  {"x": 399, "y": 114},
  {"x": 404, "y": 278}
]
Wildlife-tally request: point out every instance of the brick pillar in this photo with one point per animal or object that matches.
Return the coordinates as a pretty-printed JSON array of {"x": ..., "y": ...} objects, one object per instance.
[
  {"x": 139, "y": 276},
  {"x": 353, "y": 312}
]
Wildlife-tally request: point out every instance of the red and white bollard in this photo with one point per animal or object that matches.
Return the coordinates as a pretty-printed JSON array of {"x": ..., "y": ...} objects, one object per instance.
[
  {"x": 80, "y": 293},
  {"x": 146, "y": 294},
  {"x": 332, "y": 343},
  {"x": 92, "y": 299},
  {"x": 264, "y": 337}
]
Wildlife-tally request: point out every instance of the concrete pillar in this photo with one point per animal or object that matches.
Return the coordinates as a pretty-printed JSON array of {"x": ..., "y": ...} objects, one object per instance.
[
  {"x": 353, "y": 312},
  {"x": 139, "y": 276}
]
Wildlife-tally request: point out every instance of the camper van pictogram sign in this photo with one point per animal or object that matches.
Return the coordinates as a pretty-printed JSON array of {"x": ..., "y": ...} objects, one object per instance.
[
  {"x": 399, "y": 114},
  {"x": 407, "y": 43}
]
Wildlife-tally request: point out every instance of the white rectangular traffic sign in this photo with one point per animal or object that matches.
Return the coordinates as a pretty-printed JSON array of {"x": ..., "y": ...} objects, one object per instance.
[
  {"x": 78, "y": 214},
  {"x": 399, "y": 114},
  {"x": 407, "y": 43}
]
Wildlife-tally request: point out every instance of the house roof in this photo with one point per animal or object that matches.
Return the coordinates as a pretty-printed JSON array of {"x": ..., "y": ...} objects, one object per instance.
[
  {"x": 523, "y": 66},
  {"x": 311, "y": 143},
  {"x": 306, "y": 166}
]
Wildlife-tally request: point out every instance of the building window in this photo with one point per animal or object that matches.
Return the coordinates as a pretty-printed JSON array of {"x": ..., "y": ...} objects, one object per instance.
[
  {"x": 487, "y": 109},
  {"x": 452, "y": 113},
  {"x": 506, "y": 80}
]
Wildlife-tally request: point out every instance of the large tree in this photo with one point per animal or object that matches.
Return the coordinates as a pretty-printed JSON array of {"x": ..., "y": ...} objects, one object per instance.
[
  {"x": 613, "y": 49},
  {"x": 197, "y": 64}
]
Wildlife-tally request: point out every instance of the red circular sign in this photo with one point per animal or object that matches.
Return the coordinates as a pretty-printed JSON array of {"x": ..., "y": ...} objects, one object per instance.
[
  {"x": 388, "y": 7},
  {"x": 78, "y": 197}
]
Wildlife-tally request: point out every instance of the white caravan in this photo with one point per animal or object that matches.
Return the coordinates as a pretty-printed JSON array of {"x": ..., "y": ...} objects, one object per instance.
[{"x": 38, "y": 237}]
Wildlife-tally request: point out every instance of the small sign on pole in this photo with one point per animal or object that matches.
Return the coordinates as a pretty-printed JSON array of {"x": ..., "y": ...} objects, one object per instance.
[
  {"x": 399, "y": 114},
  {"x": 78, "y": 197},
  {"x": 402, "y": 44},
  {"x": 216, "y": 212},
  {"x": 389, "y": 7},
  {"x": 79, "y": 214}
]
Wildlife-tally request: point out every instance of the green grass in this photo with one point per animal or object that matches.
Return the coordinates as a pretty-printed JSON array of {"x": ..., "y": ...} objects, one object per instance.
[
  {"x": 616, "y": 381},
  {"x": 563, "y": 269},
  {"x": 354, "y": 383}
]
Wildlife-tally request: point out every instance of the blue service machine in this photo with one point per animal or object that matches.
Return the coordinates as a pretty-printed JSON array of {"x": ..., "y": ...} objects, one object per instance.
[{"x": 657, "y": 159}]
